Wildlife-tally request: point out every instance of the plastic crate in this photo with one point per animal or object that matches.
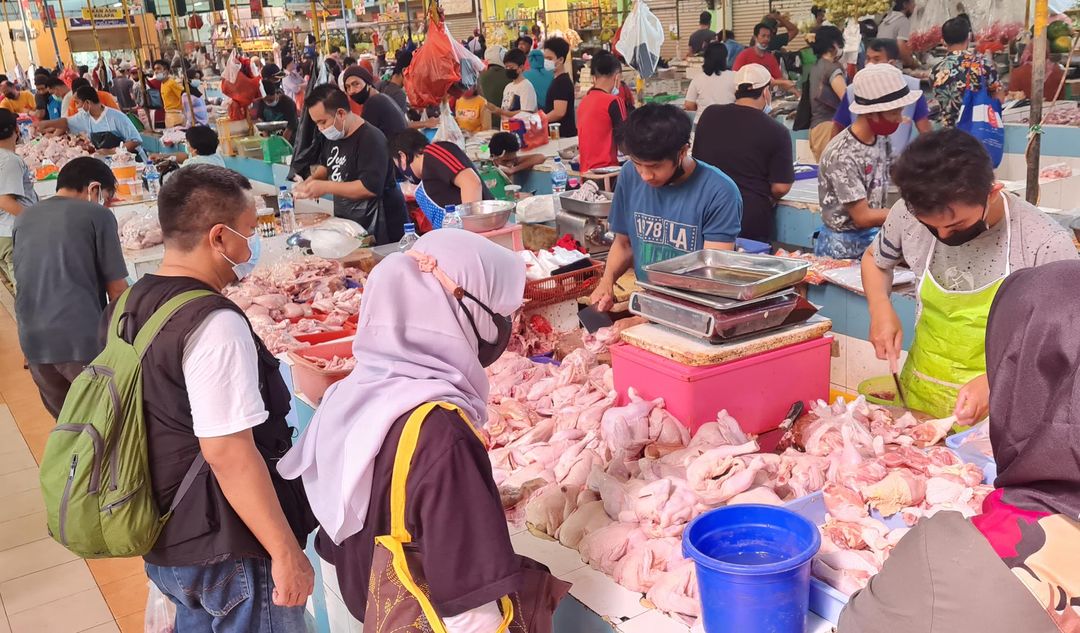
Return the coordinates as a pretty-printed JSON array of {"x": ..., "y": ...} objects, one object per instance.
[
  {"x": 564, "y": 287},
  {"x": 757, "y": 390},
  {"x": 325, "y": 337},
  {"x": 312, "y": 381}
]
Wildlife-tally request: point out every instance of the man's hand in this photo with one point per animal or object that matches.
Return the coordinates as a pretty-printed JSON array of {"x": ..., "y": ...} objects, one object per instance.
[
  {"x": 604, "y": 296},
  {"x": 309, "y": 189},
  {"x": 886, "y": 334},
  {"x": 973, "y": 401},
  {"x": 294, "y": 579}
]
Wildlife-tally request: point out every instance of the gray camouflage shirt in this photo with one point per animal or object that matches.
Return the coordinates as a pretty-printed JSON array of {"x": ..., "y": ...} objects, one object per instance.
[{"x": 851, "y": 171}]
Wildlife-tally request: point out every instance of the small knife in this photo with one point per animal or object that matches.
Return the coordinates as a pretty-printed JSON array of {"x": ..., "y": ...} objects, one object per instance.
[{"x": 899, "y": 390}]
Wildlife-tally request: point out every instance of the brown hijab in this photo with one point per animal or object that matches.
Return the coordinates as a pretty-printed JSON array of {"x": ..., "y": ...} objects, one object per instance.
[{"x": 1033, "y": 360}]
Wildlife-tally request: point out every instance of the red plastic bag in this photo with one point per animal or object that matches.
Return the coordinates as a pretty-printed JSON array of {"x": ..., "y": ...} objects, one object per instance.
[{"x": 433, "y": 70}]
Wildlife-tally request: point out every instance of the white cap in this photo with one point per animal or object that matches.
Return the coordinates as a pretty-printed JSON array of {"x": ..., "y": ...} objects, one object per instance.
[
  {"x": 753, "y": 75},
  {"x": 881, "y": 88}
]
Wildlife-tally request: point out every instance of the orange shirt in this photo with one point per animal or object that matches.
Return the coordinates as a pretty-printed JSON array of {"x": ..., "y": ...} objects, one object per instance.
[
  {"x": 105, "y": 98},
  {"x": 25, "y": 103}
]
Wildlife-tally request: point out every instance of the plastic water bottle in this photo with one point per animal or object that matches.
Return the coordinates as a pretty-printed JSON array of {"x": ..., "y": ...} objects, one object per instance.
[
  {"x": 153, "y": 180},
  {"x": 558, "y": 177},
  {"x": 451, "y": 219},
  {"x": 409, "y": 238},
  {"x": 25, "y": 125},
  {"x": 286, "y": 210}
]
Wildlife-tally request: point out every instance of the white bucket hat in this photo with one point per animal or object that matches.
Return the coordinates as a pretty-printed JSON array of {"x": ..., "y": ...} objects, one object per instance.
[
  {"x": 881, "y": 88},
  {"x": 753, "y": 75}
]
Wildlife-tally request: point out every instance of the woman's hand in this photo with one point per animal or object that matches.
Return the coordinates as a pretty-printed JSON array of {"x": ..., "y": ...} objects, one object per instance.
[{"x": 973, "y": 401}]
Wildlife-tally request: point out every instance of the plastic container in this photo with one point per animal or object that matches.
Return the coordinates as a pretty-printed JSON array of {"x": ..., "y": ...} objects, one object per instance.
[
  {"x": 153, "y": 181},
  {"x": 312, "y": 381},
  {"x": 972, "y": 456},
  {"x": 558, "y": 177},
  {"x": 286, "y": 210},
  {"x": 409, "y": 238},
  {"x": 880, "y": 390},
  {"x": 753, "y": 568},
  {"x": 451, "y": 219},
  {"x": 757, "y": 390},
  {"x": 753, "y": 247}
]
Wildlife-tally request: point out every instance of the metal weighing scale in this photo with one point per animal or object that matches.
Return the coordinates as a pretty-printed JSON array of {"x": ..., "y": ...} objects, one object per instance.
[
  {"x": 586, "y": 221},
  {"x": 722, "y": 296}
]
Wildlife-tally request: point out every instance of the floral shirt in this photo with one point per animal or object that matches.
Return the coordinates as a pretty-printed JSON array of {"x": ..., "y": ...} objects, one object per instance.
[{"x": 955, "y": 75}]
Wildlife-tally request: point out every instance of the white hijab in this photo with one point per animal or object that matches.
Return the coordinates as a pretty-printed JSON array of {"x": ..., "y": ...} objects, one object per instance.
[{"x": 413, "y": 345}]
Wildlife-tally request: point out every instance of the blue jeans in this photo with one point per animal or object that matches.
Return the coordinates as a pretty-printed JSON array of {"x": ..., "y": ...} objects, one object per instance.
[{"x": 233, "y": 596}]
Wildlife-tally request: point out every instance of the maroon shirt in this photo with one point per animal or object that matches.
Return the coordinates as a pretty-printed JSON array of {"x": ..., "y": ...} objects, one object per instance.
[{"x": 453, "y": 512}]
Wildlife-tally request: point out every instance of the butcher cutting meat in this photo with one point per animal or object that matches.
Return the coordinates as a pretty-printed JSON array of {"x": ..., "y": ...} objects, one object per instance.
[
  {"x": 430, "y": 322},
  {"x": 1013, "y": 566},
  {"x": 963, "y": 234}
]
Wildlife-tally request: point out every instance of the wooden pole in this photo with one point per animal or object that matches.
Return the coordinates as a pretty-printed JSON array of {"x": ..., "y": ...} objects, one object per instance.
[
  {"x": 7, "y": 27},
  {"x": 51, "y": 22},
  {"x": 180, "y": 47},
  {"x": 1038, "y": 81},
  {"x": 26, "y": 33},
  {"x": 67, "y": 33},
  {"x": 93, "y": 27},
  {"x": 129, "y": 19},
  {"x": 315, "y": 22}
]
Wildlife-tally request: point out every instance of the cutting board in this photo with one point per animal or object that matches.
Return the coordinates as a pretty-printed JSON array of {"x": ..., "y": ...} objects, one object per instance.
[{"x": 687, "y": 350}]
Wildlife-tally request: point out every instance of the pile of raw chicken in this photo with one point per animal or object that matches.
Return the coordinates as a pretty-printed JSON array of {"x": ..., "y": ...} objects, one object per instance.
[
  {"x": 57, "y": 150},
  {"x": 296, "y": 296},
  {"x": 139, "y": 231},
  {"x": 620, "y": 483}
]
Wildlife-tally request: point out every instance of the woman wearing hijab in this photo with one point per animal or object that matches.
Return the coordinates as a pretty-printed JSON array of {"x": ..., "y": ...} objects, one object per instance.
[
  {"x": 431, "y": 320},
  {"x": 1015, "y": 566},
  {"x": 539, "y": 76}
]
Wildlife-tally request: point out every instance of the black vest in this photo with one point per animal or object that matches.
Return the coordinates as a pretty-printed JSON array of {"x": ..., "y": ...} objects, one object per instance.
[{"x": 204, "y": 528}]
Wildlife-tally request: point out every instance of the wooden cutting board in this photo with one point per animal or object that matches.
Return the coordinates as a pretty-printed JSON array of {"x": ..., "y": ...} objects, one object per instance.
[{"x": 687, "y": 350}]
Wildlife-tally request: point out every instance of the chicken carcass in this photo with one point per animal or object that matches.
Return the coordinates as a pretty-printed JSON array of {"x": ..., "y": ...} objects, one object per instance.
[
  {"x": 899, "y": 489},
  {"x": 676, "y": 591},
  {"x": 663, "y": 507},
  {"x": 548, "y": 509},
  {"x": 843, "y": 503},
  {"x": 605, "y": 547},
  {"x": 577, "y": 462},
  {"x": 625, "y": 430},
  {"x": 644, "y": 562},
  {"x": 761, "y": 495},
  {"x": 932, "y": 431},
  {"x": 587, "y": 518},
  {"x": 721, "y": 473}
]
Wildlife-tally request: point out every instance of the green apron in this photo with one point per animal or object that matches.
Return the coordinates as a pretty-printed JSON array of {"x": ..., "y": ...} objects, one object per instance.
[{"x": 949, "y": 349}]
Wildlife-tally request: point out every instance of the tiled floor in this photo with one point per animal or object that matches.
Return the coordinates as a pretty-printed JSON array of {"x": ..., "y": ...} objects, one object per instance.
[{"x": 43, "y": 587}]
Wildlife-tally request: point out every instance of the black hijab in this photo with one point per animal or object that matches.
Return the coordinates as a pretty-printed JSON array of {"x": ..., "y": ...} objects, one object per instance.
[{"x": 1033, "y": 360}]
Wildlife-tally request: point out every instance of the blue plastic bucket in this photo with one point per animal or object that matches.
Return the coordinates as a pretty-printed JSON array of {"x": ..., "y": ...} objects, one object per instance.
[{"x": 753, "y": 568}]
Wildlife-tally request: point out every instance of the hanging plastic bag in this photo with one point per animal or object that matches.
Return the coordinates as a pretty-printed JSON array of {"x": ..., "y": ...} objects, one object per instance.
[
  {"x": 433, "y": 70},
  {"x": 471, "y": 66},
  {"x": 232, "y": 68},
  {"x": 448, "y": 127},
  {"x": 642, "y": 37},
  {"x": 160, "y": 612},
  {"x": 980, "y": 117}
]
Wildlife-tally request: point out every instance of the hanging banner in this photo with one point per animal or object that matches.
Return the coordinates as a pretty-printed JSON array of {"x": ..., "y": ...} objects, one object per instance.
[
  {"x": 257, "y": 45},
  {"x": 104, "y": 13},
  {"x": 85, "y": 23}
]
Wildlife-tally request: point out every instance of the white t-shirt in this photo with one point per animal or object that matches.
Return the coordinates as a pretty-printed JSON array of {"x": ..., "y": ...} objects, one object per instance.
[
  {"x": 524, "y": 91},
  {"x": 221, "y": 370},
  {"x": 706, "y": 90}
]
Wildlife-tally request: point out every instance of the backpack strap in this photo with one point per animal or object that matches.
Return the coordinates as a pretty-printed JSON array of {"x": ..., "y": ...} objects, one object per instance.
[
  {"x": 185, "y": 483},
  {"x": 117, "y": 315},
  {"x": 161, "y": 316}
]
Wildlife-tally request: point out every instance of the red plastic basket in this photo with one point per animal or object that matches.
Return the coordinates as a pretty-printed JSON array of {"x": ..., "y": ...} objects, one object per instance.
[
  {"x": 311, "y": 380},
  {"x": 564, "y": 287}
]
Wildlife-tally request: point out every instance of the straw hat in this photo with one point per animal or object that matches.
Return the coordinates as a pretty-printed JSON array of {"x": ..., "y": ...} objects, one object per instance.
[{"x": 881, "y": 88}]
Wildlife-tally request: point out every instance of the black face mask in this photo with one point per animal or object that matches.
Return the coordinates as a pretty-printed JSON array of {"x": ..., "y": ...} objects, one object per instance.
[
  {"x": 679, "y": 173},
  {"x": 487, "y": 352},
  {"x": 959, "y": 238},
  {"x": 511, "y": 74},
  {"x": 361, "y": 96}
]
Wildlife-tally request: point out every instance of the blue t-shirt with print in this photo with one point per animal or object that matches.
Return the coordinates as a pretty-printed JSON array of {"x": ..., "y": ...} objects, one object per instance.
[{"x": 665, "y": 222}]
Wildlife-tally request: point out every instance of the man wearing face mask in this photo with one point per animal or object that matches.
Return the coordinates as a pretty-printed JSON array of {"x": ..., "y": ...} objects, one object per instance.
[
  {"x": 378, "y": 109},
  {"x": 853, "y": 179},
  {"x": 68, "y": 265},
  {"x": 445, "y": 174},
  {"x": 760, "y": 53},
  {"x": 356, "y": 168},
  {"x": 666, "y": 202},
  {"x": 559, "y": 103},
  {"x": 601, "y": 112},
  {"x": 754, "y": 149},
  {"x": 214, "y": 407},
  {"x": 276, "y": 106},
  {"x": 106, "y": 127},
  {"x": 959, "y": 231},
  {"x": 171, "y": 93}
]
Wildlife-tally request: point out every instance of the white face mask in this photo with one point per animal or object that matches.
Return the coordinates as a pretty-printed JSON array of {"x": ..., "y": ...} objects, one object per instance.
[
  {"x": 95, "y": 198},
  {"x": 332, "y": 133},
  {"x": 549, "y": 64},
  {"x": 615, "y": 89}
]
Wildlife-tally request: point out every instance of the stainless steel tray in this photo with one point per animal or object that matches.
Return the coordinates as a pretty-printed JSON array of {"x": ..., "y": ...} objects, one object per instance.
[
  {"x": 711, "y": 301},
  {"x": 710, "y": 324},
  {"x": 728, "y": 274},
  {"x": 591, "y": 209}
]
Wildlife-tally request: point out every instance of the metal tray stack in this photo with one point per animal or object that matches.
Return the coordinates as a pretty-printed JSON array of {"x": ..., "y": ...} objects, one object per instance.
[{"x": 723, "y": 296}]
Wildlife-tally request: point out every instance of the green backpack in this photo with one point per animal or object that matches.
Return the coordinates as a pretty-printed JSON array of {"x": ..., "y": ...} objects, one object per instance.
[{"x": 95, "y": 474}]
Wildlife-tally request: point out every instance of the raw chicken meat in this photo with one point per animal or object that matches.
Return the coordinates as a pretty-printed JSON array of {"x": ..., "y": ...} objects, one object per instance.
[
  {"x": 625, "y": 430},
  {"x": 645, "y": 562},
  {"x": 336, "y": 363},
  {"x": 932, "y": 431},
  {"x": 139, "y": 231},
  {"x": 761, "y": 495},
  {"x": 676, "y": 591},
  {"x": 548, "y": 509},
  {"x": 899, "y": 489},
  {"x": 844, "y": 504},
  {"x": 605, "y": 547},
  {"x": 56, "y": 150},
  {"x": 585, "y": 519},
  {"x": 663, "y": 507}
]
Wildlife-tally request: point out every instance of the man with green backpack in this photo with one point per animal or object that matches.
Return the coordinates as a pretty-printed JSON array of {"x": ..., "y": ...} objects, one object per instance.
[{"x": 167, "y": 444}]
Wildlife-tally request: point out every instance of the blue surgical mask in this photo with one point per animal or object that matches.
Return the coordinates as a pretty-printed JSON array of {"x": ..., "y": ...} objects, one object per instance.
[
  {"x": 195, "y": 83},
  {"x": 615, "y": 90},
  {"x": 332, "y": 133},
  {"x": 768, "y": 108},
  {"x": 243, "y": 269}
]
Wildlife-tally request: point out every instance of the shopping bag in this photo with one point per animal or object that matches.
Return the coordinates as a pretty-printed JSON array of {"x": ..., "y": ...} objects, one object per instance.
[
  {"x": 448, "y": 128},
  {"x": 433, "y": 70},
  {"x": 160, "y": 612},
  {"x": 980, "y": 117},
  {"x": 471, "y": 65},
  {"x": 642, "y": 37}
]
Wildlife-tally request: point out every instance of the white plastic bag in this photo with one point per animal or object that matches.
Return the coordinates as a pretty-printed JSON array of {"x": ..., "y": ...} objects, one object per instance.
[
  {"x": 160, "y": 612},
  {"x": 471, "y": 65},
  {"x": 448, "y": 127},
  {"x": 232, "y": 69},
  {"x": 642, "y": 37}
]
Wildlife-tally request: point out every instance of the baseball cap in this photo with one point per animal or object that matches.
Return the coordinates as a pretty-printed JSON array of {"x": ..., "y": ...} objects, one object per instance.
[
  {"x": 752, "y": 77},
  {"x": 881, "y": 88}
]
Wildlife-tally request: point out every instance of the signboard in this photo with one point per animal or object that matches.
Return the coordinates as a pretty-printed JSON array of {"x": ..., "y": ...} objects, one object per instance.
[
  {"x": 104, "y": 13},
  {"x": 457, "y": 7},
  {"x": 84, "y": 23},
  {"x": 257, "y": 45}
]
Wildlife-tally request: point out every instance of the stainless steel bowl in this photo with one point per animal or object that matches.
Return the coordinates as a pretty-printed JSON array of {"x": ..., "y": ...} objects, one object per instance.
[
  {"x": 269, "y": 127},
  {"x": 486, "y": 215}
]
